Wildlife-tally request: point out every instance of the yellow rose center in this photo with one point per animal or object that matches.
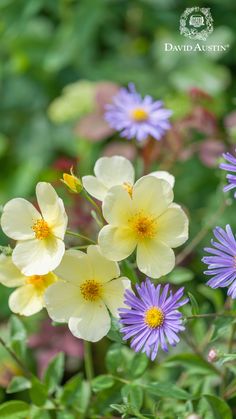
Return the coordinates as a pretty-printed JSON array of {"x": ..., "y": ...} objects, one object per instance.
[
  {"x": 154, "y": 317},
  {"x": 143, "y": 225},
  {"x": 128, "y": 187},
  {"x": 91, "y": 290},
  {"x": 139, "y": 115},
  {"x": 41, "y": 229},
  {"x": 41, "y": 282}
]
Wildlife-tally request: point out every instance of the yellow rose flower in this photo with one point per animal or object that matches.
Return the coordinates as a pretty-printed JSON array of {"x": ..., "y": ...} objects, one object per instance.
[
  {"x": 113, "y": 171},
  {"x": 39, "y": 236},
  {"x": 91, "y": 286},
  {"x": 28, "y": 298},
  {"x": 146, "y": 220}
]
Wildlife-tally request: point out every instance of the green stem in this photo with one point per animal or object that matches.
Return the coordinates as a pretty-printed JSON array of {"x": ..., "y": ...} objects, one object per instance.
[
  {"x": 88, "y": 363},
  {"x": 80, "y": 236},
  {"x": 98, "y": 209},
  {"x": 202, "y": 316},
  {"x": 16, "y": 359}
]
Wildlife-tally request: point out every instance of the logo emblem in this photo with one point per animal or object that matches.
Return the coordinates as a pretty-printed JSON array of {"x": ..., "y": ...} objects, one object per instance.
[{"x": 196, "y": 23}]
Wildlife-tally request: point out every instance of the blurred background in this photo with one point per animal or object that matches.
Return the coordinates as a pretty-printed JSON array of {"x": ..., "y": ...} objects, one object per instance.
[{"x": 61, "y": 61}]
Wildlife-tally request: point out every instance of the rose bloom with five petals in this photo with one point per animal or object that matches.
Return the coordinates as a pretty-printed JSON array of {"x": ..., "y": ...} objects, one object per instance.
[
  {"x": 147, "y": 219},
  {"x": 90, "y": 287},
  {"x": 113, "y": 171},
  {"x": 28, "y": 298},
  {"x": 39, "y": 236}
]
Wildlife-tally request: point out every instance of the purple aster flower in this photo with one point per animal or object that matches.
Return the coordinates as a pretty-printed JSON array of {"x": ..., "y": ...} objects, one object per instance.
[
  {"x": 230, "y": 167},
  {"x": 153, "y": 318},
  {"x": 222, "y": 262},
  {"x": 136, "y": 117}
]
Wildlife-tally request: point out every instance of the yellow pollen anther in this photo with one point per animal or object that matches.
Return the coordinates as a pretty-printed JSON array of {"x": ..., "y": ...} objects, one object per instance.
[
  {"x": 91, "y": 290},
  {"x": 41, "y": 229},
  {"x": 143, "y": 225},
  {"x": 129, "y": 188},
  {"x": 154, "y": 317},
  {"x": 139, "y": 115}
]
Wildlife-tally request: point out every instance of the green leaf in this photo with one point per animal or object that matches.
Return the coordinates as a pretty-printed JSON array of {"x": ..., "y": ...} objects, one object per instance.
[
  {"x": 132, "y": 394},
  {"x": 38, "y": 413},
  {"x": 128, "y": 271},
  {"x": 219, "y": 407},
  {"x": 71, "y": 391},
  {"x": 180, "y": 275},
  {"x": 83, "y": 398},
  {"x": 194, "y": 363},
  {"x": 194, "y": 304},
  {"x": 102, "y": 382},
  {"x": 168, "y": 390},
  {"x": 138, "y": 365},
  {"x": 221, "y": 328},
  {"x": 18, "y": 384},
  {"x": 114, "y": 332},
  {"x": 54, "y": 372},
  {"x": 14, "y": 410},
  {"x": 17, "y": 329},
  {"x": 38, "y": 392},
  {"x": 114, "y": 358}
]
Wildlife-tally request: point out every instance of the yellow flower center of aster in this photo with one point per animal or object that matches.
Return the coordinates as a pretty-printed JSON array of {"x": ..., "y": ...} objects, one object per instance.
[
  {"x": 128, "y": 187},
  {"x": 41, "y": 229},
  {"x": 143, "y": 225},
  {"x": 139, "y": 115},
  {"x": 154, "y": 317},
  {"x": 41, "y": 282},
  {"x": 91, "y": 290}
]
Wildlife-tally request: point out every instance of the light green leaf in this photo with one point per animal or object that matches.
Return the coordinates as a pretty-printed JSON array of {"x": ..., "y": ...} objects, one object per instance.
[
  {"x": 138, "y": 365},
  {"x": 102, "y": 382},
  {"x": 14, "y": 410},
  {"x": 168, "y": 390},
  {"x": 18, "y": 384},
  {"x": 54, "y": 372},
  {"x": 132, "y": 394},
  {"x": 38, "y": 392},
  {"x": 71, "y": 391},
  {"x": 194, "y": 304},
  {"x": 180, "y": 275},
  {"x": 219, "y": 407},
  {"x": 193, "y": 363}
]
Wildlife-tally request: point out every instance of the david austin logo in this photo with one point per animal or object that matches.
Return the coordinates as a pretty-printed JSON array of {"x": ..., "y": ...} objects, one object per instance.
[{"x": 196, "y": 23}]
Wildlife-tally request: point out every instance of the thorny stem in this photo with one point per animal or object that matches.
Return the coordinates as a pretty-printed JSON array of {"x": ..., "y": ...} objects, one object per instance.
[
  {"x": 81, "y": 236},
  {"x": 88, "y": 363}
]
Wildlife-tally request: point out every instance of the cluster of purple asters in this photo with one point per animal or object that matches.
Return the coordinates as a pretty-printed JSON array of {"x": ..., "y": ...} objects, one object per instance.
[
  {"x": 152, "y": 319},
  {"x": 222, "y": 262},
  {"x": 230, "y": 167},
  {"x": 137, "y": 117}
]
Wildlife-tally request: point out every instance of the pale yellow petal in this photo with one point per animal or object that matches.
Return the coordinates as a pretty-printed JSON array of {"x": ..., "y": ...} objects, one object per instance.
[
  {"x": 18, "y": 218},
  {"x": 162, "y": 174},
  {"x": 75, "y": 267},
  {"x": 117, "y": 206},
  {"x": 10, "y": 275},
  {"x": 62, "y": 300},
  {"x": 26, "y": 301},
  {"x": 173, "y": 226},
  {"x": 115, "y": 170},
  {"x": 94, "y": 187},
  {"x": 38, "y": 257},
  {"x": 52, "y": 208},
  {"x": 116, "y": 243},
  {"x": 155, "y": 258},
  {"x": 152, "y": 195},
  {"x": 113, "y": 294},
  {"x": 103, "y": 269},
  {"x": 92, "y": 323}
]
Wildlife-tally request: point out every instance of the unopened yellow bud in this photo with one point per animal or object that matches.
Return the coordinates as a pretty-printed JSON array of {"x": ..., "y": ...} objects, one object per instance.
[{"x": 72, "y": 182}]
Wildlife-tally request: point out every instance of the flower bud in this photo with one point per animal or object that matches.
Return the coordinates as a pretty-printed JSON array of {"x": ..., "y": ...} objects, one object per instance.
[
  {"x": 193, "y": 416},
  {"x": 212, "y": 355},
  {"x": 72, "y": 182}
]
